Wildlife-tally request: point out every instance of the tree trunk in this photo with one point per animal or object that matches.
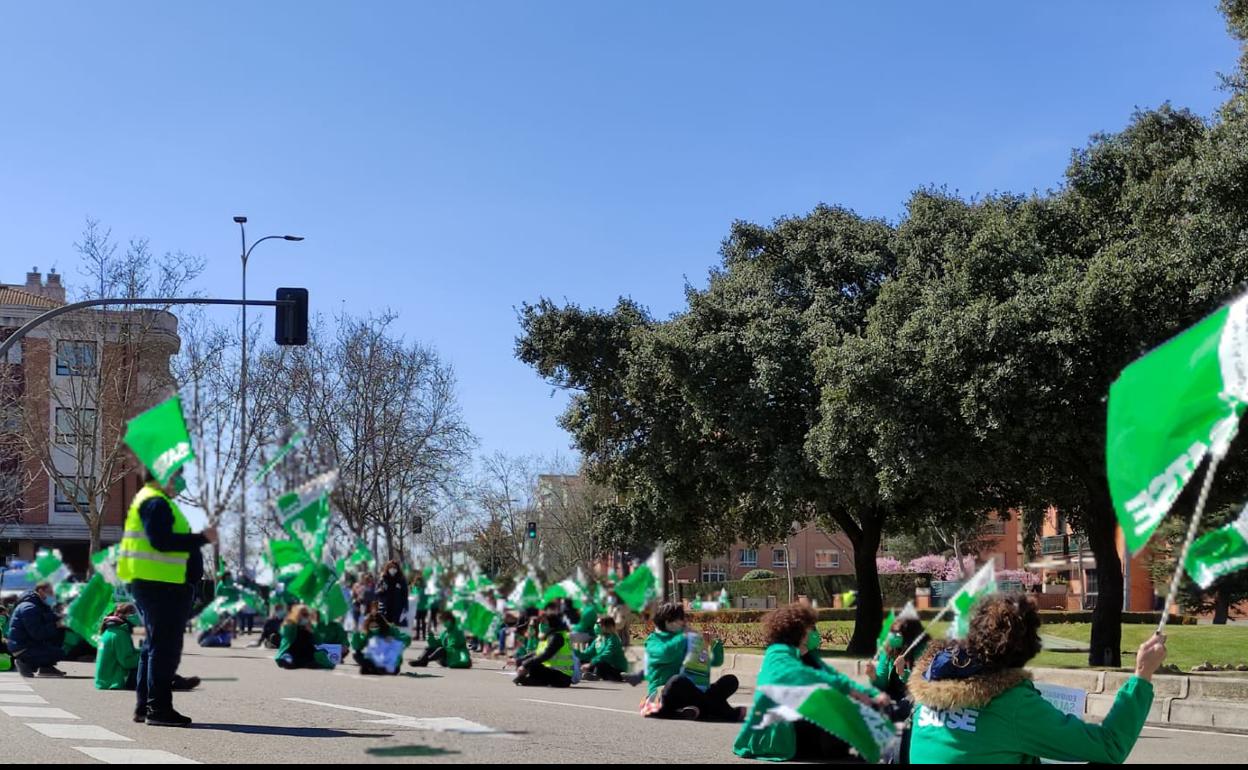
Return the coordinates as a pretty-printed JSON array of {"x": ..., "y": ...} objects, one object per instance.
[
  {"x": 1221, "y": 608},
  {"x": 869, "y": 613},
  {"x": 93, "y": 528},
  {"x": 1106, "y": 645}
]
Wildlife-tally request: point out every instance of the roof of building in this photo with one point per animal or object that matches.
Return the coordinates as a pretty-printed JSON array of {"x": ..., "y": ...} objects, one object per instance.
[{"x": 12, "y": 295}]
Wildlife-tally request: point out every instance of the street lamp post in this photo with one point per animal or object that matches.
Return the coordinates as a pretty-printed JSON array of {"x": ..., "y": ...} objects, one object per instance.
[{"x": 242, "y": 391}]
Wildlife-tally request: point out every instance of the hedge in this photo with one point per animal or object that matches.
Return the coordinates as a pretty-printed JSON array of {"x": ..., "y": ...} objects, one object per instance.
[
  {"x": 730, "y": 617},
  {"x": 896, "y": 588}
]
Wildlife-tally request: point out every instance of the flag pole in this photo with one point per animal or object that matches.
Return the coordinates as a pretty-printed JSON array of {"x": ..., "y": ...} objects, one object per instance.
[
  {"x": 1192, "y": 529},
  {"x": 925, "y": 633}
]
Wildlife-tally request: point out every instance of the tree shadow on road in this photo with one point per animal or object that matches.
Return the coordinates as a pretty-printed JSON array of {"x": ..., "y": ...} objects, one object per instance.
[
  {"x": 291, "y": 732},
  {"x": 414, "y": 675}
]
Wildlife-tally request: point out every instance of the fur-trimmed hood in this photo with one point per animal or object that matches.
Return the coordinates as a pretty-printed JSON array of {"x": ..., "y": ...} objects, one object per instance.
[{"x": 971, "y": 692}]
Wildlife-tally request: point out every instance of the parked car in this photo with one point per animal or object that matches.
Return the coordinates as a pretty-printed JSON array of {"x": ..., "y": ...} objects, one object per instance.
[{"x": 13, "y": 581}]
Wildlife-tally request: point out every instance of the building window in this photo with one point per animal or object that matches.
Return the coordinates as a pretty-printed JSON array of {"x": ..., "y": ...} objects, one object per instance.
[
  {"x": 75, "y": 358},
  {"x": 1094, "y": 583},
  {"x": 10, "y": 417},
  {"x": 827, "y": 559},
  {"x": 748, "y": 557},
  {"x": 714, "y": 573},
  {"x": 995, "y": 527},
  {"x": 778, "y": 558},
  {"x": 74, "y": 425},
  {"x": 63, "y": 503}
]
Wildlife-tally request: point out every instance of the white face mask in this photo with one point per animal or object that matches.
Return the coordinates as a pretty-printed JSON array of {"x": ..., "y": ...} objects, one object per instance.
[{"x": 393, "y": 572}]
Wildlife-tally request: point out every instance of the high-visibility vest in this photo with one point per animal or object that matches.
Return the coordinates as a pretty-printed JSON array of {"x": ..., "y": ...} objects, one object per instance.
[
  {"x": 563, "y": 660},
  {"x": 137, "y": 558}
]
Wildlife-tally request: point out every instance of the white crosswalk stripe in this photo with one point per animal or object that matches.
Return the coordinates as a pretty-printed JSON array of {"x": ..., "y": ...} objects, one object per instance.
[
  {"x": 76, "y": 732},
  {"x": 20, "y": 697},
  {"x": 117, "y": 756},
  {"x": 41, "y": 712}
]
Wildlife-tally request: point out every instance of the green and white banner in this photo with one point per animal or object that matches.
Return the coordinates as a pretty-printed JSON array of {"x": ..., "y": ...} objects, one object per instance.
[
  {"x": 1218, "y": 553},
  {"x": 859, "y": 725},
  {"x": 1171, "y": 409},
  {"x": 159, "y": 438}
]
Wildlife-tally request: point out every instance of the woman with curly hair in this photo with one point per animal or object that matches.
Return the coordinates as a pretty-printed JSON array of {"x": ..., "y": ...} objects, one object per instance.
[
  {"x": 977, "y": 705},
  {"x": 788, "y": 631}
]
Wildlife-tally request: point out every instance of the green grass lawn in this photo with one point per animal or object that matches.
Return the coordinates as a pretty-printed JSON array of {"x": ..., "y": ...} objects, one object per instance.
[{"x": 1188, "y": 645}]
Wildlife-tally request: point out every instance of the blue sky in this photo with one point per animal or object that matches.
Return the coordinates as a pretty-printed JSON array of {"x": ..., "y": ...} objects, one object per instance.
[{"x": 450, "y": 161}]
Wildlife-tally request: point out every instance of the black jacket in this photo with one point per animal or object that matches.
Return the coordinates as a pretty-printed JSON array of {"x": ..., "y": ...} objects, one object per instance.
[
  {"x": 157, "y": 519},
  {"x": 392, "y": 598}
]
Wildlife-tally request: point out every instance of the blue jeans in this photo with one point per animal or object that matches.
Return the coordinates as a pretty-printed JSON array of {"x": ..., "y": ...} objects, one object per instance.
[{"x": 165, "y": 608}]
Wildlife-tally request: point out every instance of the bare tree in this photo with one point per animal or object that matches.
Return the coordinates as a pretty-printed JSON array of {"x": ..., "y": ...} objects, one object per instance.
[
  {"x": 111, "y": 364},
  {"x": 383, "y": 411}
]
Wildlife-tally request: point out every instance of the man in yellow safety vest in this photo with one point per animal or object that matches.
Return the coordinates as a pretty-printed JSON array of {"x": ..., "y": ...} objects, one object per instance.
[{"x": 161, "y": 560}]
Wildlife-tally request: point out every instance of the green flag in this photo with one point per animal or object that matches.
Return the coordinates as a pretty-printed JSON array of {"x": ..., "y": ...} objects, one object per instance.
[
  {"x": 85, "y": 614},
  {"x": 287, "y": 558},
  {"x": 643, "y": 584},
  {"x": 479, "y": 619},
  {"x": 963, "y": 602},
  {"x": 105, "y": 563},
  {"x": 859, "y": 725},
  {"x": 1170, "y": 409},
  {"x": 47, "y": 567},
  {"x": 1220, "y": 552},
  {"x": 885, "y": 629},
  {"x": 566, "y": 589},
  {"x": 361, "y": 556},
  {"x": 158, "y": 437},
  {"x": 527, "y": 593},
  {"x": 317, "y": 586},
  {"x": 305, "y": 513},
  {"x": 295, "y": 438}
]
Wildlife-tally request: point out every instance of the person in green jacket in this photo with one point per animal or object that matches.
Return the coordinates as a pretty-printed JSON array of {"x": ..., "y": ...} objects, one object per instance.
[
  {"x": 330, "y": 632},
  {"x": 976, "y": 704},
  {"x": 450, "y": 649},
  {"x": 605, "y": 657},
  {"x": 789, "y": 632},
  {"x": 116, "y": 658},
  {"x": 678, "y": 669},
  {"x": 584, "y": 631},
  {"x": 297, "y": 648},
  {"x": 376, "y": 626}
]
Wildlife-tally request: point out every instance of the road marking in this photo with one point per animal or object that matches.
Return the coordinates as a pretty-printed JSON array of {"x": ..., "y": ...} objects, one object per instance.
[
  {"x": 13, "y": 697},
  {"x": 15, "y": 687},
  {"x": 77, "y": 732},
  {"x": 1194, "y": 730},
  {"x": 436, "y": 724},
  {"x": 37, "y": 711},
  {"x": 579, "y": 706},
  {"x": 113, "y": 756}
]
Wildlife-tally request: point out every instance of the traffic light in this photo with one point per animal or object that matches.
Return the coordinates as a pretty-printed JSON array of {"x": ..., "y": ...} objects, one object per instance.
[
  {"x": 532, "y": 530},
  {"x": 290, "y": 325},
  {"x": 418, "y": 525}
]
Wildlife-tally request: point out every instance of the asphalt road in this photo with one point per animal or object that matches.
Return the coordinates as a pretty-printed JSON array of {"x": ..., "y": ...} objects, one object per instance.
[{"x": 248, "y": 710}]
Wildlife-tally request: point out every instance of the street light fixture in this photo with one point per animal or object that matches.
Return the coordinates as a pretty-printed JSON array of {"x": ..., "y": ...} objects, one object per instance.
[{"x": 246, "y": 253}]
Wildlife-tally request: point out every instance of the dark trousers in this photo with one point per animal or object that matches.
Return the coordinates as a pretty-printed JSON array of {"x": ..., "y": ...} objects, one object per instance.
[
  {"x": 680, "y": 692},
  {"x": 607, "y": 672},
  {"x": 813, "y": 743},
  {"x": 246, "y": 622},
  {"x": 38, "y": 657},
  {"x": 538, "y": 675},
  {"x": 165, "y": 608},
  {"x": 421, "y": 624},
  {"x": 369, "y": 667}
]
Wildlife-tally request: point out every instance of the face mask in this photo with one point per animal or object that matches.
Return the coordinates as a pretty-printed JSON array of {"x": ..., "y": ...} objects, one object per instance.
[
  {"x": 393, "y": 572},
  {"x": 305, "y": 622},
  {"x": 597, "y": 630},
  {"x": 179, "y": 485},
  {"x": 812, "y": 640},
  {"x": 50, "y": 600},
  {"x": 135, "y": 621}
]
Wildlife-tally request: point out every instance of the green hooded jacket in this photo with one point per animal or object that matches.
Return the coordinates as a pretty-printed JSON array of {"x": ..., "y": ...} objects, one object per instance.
[
  {"x": 782, "y": 666},
  {"x": 1001, "y": 718},
  {"x": 608, "y": 649},
  {"x": 457, "y": 655},
  {"x": 665, "y": 656},
  {"x": 116, "y": 656},
  {"x": 289, "y": 632},
  {"x": 359, "y": 639}
]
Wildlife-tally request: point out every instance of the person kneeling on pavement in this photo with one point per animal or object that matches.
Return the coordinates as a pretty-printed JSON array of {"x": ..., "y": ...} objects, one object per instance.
[
  {"x": 221, "y": 634},
  {"x": 36, "y": 636},
  {"x": 450, "y": 649},
  {"x": 606, "y": 655},
  {"x": 117, "y": 659},
  {"x": 789, "y": 631},
  {"x": 975, "y": 703},
  {"x": 678, "y": 669},
  {"x": 298, "y": 643},
  {"x": 554, "y": 663},
  {"x": 378, "y": 646}
]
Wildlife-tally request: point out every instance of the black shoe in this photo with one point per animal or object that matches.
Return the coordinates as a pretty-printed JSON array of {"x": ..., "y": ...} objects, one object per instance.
[
  {"x": 50, "y": 671},
  {"x": 418, "y": 663},
  {"x": 168, "y": 718},
  {"x": 23, "y": 669},
  {"x": 688, "y": 712},
  {"x": 182, "y": 684},
  {"x": 140, "y": 715},
  {"x": 634, "y": 679}
]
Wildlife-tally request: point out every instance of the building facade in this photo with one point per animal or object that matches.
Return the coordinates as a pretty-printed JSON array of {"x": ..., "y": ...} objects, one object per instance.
[
  {"x": 66, "y": 391},
  {"x": 810, "y": 551}
]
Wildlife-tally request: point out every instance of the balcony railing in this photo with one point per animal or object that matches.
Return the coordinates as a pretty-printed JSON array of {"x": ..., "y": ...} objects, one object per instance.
[{"x": 1051, "y": 546}]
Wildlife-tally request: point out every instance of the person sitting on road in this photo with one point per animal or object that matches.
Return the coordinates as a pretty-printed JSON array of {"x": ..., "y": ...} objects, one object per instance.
[
  {"x": 788, "y": 632},
  {"x": 117, "y": 657},
  {"x": 376, "y": 627},
  {"x": 221, "y": 634},
  {"x": 678, "y": 669},
  {"x": 329, "y": 633},
  {"x": 895, "y": 660},
  {"x": 520, "y": 641},
  {"x": 605, "y": 657},
  {"x": 975, "y": 702},
  {"x": 298, "y": 644},
  {"x": 554, "y": 663},
  {"x": 450, "y": 649},
  {"x": 271, "y": 632},
  {"x": 36, "y": 636}
]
